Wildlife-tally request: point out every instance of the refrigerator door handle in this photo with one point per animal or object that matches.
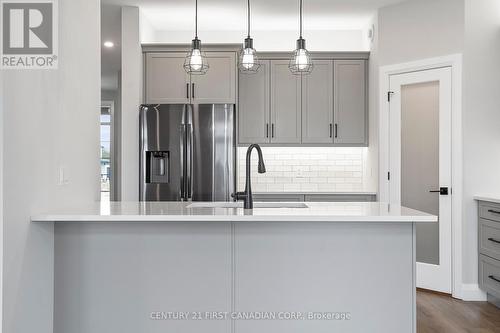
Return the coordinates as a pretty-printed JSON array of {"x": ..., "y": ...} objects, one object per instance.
[
  {"x": 183, "y": 158},
  {"x": 189, "y": 161}
]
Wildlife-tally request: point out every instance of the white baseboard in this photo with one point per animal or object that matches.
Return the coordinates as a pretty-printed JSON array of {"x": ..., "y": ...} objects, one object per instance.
[{"x": 471, "y": 292}]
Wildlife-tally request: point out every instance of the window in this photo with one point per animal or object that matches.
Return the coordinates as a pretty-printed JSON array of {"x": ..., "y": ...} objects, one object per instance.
[{"x": 105, "y": 153}]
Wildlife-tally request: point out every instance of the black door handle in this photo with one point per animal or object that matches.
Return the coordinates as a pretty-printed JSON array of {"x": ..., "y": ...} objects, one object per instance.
[{"x": 441, "y": 191}]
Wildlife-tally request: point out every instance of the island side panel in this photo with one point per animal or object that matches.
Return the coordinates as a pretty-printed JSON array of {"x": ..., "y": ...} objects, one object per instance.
[
  {"x": 365, "y": 269},
  {"x": 109, "y": 277}
]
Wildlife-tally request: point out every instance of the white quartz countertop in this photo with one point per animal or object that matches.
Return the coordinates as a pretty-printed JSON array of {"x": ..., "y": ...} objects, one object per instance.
[
  {"x": 488, "y": 198},
  {"x": 178, "y": 211}
]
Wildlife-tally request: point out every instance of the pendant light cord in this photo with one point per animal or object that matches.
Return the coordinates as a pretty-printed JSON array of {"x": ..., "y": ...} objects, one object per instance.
[
  {"x": 248, "y": 18},
  {"x": 196, "y": 19},
  {"x": 300, "y": 20}
]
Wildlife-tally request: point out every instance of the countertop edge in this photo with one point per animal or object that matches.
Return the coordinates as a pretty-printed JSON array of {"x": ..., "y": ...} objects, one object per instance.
[
  {"x": 222, "y": 218},
  {"x": 487, "y": 198}
]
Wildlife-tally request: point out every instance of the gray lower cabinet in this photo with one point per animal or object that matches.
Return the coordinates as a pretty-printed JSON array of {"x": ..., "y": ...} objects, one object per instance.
[
  {"x": 342, "y": 197},
  {"x": 285, "y": 104},
  {"x": 317, "y": 104},
  {"x": 254, "y": 114},
  {"x": 489, "y": 248},
  {"x": 262, "y": 197},
  {"x": 311, "y": 197},
  {"x": 166, "y": 81},
  {"x": 350, "y": 102}
]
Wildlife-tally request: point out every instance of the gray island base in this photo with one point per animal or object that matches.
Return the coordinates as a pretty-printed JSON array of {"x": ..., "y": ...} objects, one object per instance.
[{"x": 331, "y": 267}]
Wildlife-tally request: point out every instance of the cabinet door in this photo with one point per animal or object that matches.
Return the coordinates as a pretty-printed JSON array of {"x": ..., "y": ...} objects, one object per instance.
[
  {"x": 166, "y": 80},
  {"x": 218, "y": 85},
  {"x": 317, "y": 104},
  {"x": 285, "y": 104},
  {"x": 253, "y": 111},
  {"x": 350, "y": 102}
]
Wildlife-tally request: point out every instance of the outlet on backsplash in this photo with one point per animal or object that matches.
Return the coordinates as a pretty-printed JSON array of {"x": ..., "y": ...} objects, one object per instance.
[{"x": 307, "y": 169}]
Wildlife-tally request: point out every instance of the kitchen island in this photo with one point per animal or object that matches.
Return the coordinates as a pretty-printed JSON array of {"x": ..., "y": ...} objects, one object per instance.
[{"x": 181, "y": 267}]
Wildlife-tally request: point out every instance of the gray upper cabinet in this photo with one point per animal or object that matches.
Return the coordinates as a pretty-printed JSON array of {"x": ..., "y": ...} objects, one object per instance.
[
  {"x": 350, "y": 102},
  {"x": 168, "y": 83},
  {"x": 253, "y": 115},
  {"x": 285, "y": 104},
  {"x": 317, "y": 104},
  {"x": 218, "y": 85},
  {"x": 166, "y": 80}
]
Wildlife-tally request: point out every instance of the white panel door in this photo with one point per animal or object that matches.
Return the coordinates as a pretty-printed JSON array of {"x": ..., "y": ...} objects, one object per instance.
[
  {"x": 254, "y": 102},
  {"x": 218, "y": 85},
  {"x": 285, "y": 104},
  {"x": 166, "y": 80},
  {"x": 420, "y": 165}
]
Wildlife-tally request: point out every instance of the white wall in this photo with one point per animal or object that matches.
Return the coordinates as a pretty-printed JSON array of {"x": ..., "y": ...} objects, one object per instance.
[
  {"x": 372, "y": 160},
  {"x": 1, "y": 201},
  {"x": 131, "y": 95},
  {"x": 51, "y": 120},
  {"x": 481, "y": 117},
  {"x": 420, "y": 29},
  {"x": 426, "y": 28}
]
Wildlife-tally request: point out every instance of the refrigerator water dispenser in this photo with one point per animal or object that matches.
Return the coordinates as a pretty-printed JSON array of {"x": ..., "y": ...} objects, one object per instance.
[{"x": 158, "y": 167}]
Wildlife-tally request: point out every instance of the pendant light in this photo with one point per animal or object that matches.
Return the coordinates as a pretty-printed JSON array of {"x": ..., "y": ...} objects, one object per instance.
[
  {"x": 248, "y": 60},
  {"x": 300, "y": 63},
  {"x": 196, "y": 61}
]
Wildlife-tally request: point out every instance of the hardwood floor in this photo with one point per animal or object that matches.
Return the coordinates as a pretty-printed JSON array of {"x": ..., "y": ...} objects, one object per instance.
[{"x": 438, "y": 313}]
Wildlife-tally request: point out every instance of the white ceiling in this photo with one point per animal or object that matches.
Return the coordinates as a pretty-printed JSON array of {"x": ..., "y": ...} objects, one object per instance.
[{"x": 178, "y": 15}]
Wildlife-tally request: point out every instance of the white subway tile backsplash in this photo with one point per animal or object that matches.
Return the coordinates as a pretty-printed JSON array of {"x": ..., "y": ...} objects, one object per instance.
[{"x": 305, "y": 169}]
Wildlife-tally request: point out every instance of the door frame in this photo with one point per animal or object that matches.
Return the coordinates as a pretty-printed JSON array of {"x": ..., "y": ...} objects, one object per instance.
[{"x": 453, "y": 61}]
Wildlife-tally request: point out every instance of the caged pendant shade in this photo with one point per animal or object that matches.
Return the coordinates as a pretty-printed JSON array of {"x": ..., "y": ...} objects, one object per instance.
[
  {"x": 300, "y": 62},
  {"x": 248, "y": 61},
  {"x": 196, "y": 62}
]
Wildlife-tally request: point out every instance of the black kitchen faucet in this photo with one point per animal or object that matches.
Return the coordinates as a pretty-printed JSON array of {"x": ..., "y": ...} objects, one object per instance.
[{"x": 246, "y": 196}]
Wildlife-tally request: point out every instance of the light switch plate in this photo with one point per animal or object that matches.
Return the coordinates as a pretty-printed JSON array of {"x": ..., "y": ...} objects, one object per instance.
[{"x": 63, "y": 175}]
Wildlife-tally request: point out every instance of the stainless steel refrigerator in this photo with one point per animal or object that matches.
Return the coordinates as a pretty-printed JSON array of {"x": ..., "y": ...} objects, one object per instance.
[{"x": 187, "y": 152}]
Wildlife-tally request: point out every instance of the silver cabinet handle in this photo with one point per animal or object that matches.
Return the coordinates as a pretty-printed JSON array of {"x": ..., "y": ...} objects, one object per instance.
[
  {"x": 336, "y": 131},
  {"x": 187, "y": 90},
  {"x": 494, "y": 240},
  {"x": 494, "y": 278},
  {"x": 267, "y": 130},
  {"x": 493, "y": 211},
  {"x": 331, "y": 130},
  {"x": 272, "y": 130},
  {"x": 192, "y": 90}
]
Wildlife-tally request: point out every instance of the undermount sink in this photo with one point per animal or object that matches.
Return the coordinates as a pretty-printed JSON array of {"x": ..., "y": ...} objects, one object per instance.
[{"x": 240, "y": 205}]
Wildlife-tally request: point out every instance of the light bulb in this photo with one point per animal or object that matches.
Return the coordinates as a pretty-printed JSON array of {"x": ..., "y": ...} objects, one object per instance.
[
  {"x": 195, "y": 62},
  {"x": 248, "y": 60},
  {"x": 301, "y": 59}
]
